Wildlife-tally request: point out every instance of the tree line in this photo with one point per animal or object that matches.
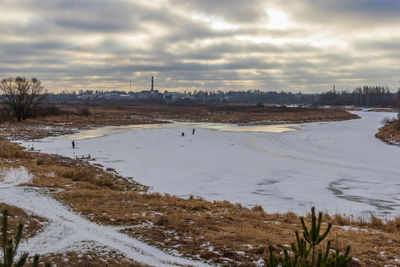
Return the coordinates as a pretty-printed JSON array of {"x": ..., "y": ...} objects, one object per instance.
[
  {"x": 23, "y": 96},
  {"x": 366, "y": 96}
]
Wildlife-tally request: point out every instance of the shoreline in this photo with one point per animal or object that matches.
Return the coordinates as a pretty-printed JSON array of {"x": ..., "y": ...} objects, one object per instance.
[
  {"x": 176, "y": 221},
  {"x": 154, "y": 114},
  {"x": 114, "y": 163},
  {"x": 218, "y": 231}
]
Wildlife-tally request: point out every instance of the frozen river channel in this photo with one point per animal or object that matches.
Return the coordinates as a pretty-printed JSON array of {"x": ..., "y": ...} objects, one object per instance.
[{"x": 340, "y": 167}]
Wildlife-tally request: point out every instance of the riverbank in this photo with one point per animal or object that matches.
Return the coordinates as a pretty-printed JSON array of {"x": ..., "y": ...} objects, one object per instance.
[
  {"x": 213, "y": 231},
  {"x": 218, "y": 232},
  {"x": 70, "y": 118},
  {"x": 272, "y": 166},
  {"x": 390, "y": 133}
]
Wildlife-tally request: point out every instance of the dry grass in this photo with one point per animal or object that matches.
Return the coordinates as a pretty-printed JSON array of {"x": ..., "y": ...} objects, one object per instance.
[
  {"x": 82, "y": 174},
  {"x": 390, "y": 133},
  {"x": 241, "y": 114},
  {"x": 12, "y": 151},
  {"x": 89, "y": 258},
  {"x": 53, "y": 171},
  {"x": 194, "y": 225},
  {"x": 101, "y": 115},
  {"x": 32, "y": 224},
  {"x": 219, "y": 231},
  {"x": 73, "y": 118}
]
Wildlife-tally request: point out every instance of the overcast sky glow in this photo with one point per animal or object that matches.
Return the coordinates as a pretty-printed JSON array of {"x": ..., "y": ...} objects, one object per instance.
[{"x": 291, "y": 45}]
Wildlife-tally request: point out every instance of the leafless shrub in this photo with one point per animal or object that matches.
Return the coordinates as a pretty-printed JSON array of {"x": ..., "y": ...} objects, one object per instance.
[
  {"x": 387, "y": 120},
  {"x": 22, "y": 95}
]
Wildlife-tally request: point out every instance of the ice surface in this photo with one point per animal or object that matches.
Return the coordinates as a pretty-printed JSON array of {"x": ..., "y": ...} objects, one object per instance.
[
  {"x": 340, "y": 167},
  {"x": 224, "y": 127}
]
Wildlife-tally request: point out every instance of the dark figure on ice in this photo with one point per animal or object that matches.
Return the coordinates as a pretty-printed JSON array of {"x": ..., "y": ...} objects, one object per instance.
[
  {"x": 73, "y": 144},
  {"x": 193, "y": 131},
  {"x": 183, "y": 134}
]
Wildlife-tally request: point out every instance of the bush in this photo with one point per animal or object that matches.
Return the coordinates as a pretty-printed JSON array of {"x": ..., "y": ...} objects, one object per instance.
[
  {"x": 79, "y": 174},
  {"x": 257, "y": 208},
  {"x": 88, "y": 175},
  {"x": 397, "y": 125},
  {"x": 387, "y": 120},
  {"x": 84, "y": 112},
  {"x": 47, "y": 110},
  {"x": 40, "y": 162},
  {"x": 161, "y": 220},
  {"x": 5, "y": 113}
]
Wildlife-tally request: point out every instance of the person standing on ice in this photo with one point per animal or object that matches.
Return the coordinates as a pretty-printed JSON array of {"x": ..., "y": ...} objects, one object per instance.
[
  {"x": 73, "y": 144},
  {"x": 193, "y": 131}
]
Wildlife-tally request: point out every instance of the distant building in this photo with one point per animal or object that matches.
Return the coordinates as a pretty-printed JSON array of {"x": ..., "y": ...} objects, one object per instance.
[
  {"x": 152, "y": 94},
  {"x": 173, "y": 96}
]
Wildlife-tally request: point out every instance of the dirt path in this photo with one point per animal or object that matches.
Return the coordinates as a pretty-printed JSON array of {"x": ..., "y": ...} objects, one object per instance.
[{"x": 67, "y": 230}]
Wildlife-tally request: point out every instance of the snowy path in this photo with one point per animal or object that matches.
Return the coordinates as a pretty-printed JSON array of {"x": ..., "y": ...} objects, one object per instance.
[
  {"x": 336, "y": 166},
  {"x": 66, "y": 230}
]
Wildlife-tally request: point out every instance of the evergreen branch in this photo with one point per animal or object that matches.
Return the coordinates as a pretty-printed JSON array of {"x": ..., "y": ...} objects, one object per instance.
[
  {"x": 21, "y": 262},
  {"x": 18, "y": 237}
]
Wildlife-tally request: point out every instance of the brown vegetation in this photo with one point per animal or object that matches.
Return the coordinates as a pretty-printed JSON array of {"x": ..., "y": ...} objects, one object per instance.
[
  {"x": 51, "y": 120},
  {"x": 88, "y": 258},
  {"x": 242, "y": 114},
  {"x": 32, "y": 224},
  {"x": 219, "y": 231},
  {"x": 53, "y": 171},
  {"x": 390, "y": 133},
  {"x": 54, "y": 120}
]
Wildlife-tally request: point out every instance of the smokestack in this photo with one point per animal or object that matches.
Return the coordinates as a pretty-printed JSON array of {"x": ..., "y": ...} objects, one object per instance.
[{"x": 152, "y": 83}]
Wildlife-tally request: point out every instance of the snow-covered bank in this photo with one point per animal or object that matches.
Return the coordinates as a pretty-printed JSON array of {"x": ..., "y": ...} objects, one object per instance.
[
  {"x": 339, "y": 167},
  {"x": 67, "y": 230}
]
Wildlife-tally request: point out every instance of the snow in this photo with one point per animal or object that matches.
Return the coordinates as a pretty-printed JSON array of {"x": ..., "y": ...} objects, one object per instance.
[
  {"x": 13, "y": 177},
  {"x": 339, "y": 167},
  {"x": 260, "y": 262},
  {"x": 69, "y": 231},
  {"x": 351, "y": 228}
]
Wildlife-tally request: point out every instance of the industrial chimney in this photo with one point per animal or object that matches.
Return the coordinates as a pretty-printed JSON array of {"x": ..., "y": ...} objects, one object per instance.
[{"x": 152, "y": 83}]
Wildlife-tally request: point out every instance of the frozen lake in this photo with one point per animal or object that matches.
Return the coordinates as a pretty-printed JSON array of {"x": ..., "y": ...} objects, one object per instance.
[{"x": 339, "y": 167}]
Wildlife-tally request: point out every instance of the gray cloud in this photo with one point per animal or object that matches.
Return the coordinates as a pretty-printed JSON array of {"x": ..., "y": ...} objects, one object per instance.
[
  {"x": 347, "y": 15},
  {"x": 103, "y": 44},
  {"x": 232, "y": 10}
]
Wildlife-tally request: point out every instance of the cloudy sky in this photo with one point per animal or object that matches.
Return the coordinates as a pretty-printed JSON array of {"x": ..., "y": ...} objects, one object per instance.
[{"x": 291, "y": 45}]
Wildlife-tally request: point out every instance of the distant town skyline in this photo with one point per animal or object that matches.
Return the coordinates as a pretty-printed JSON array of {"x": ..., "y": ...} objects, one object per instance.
[{"x": 187, "y": 45}]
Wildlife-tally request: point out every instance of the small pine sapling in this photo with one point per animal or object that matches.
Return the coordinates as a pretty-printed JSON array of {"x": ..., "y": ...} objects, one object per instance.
[
  {"x": 301, "y": 252},
  {"x": 308, "y": 244},
  {"x": 313, "y": 236},
  {"x": 273, "y": 261},
  {"x": 10, "y": 246},
  {"x": 36, "y": 262}
]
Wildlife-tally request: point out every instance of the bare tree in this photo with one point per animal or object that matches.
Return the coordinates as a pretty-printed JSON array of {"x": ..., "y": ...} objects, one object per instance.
[{"x": 22, "y": 95}]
